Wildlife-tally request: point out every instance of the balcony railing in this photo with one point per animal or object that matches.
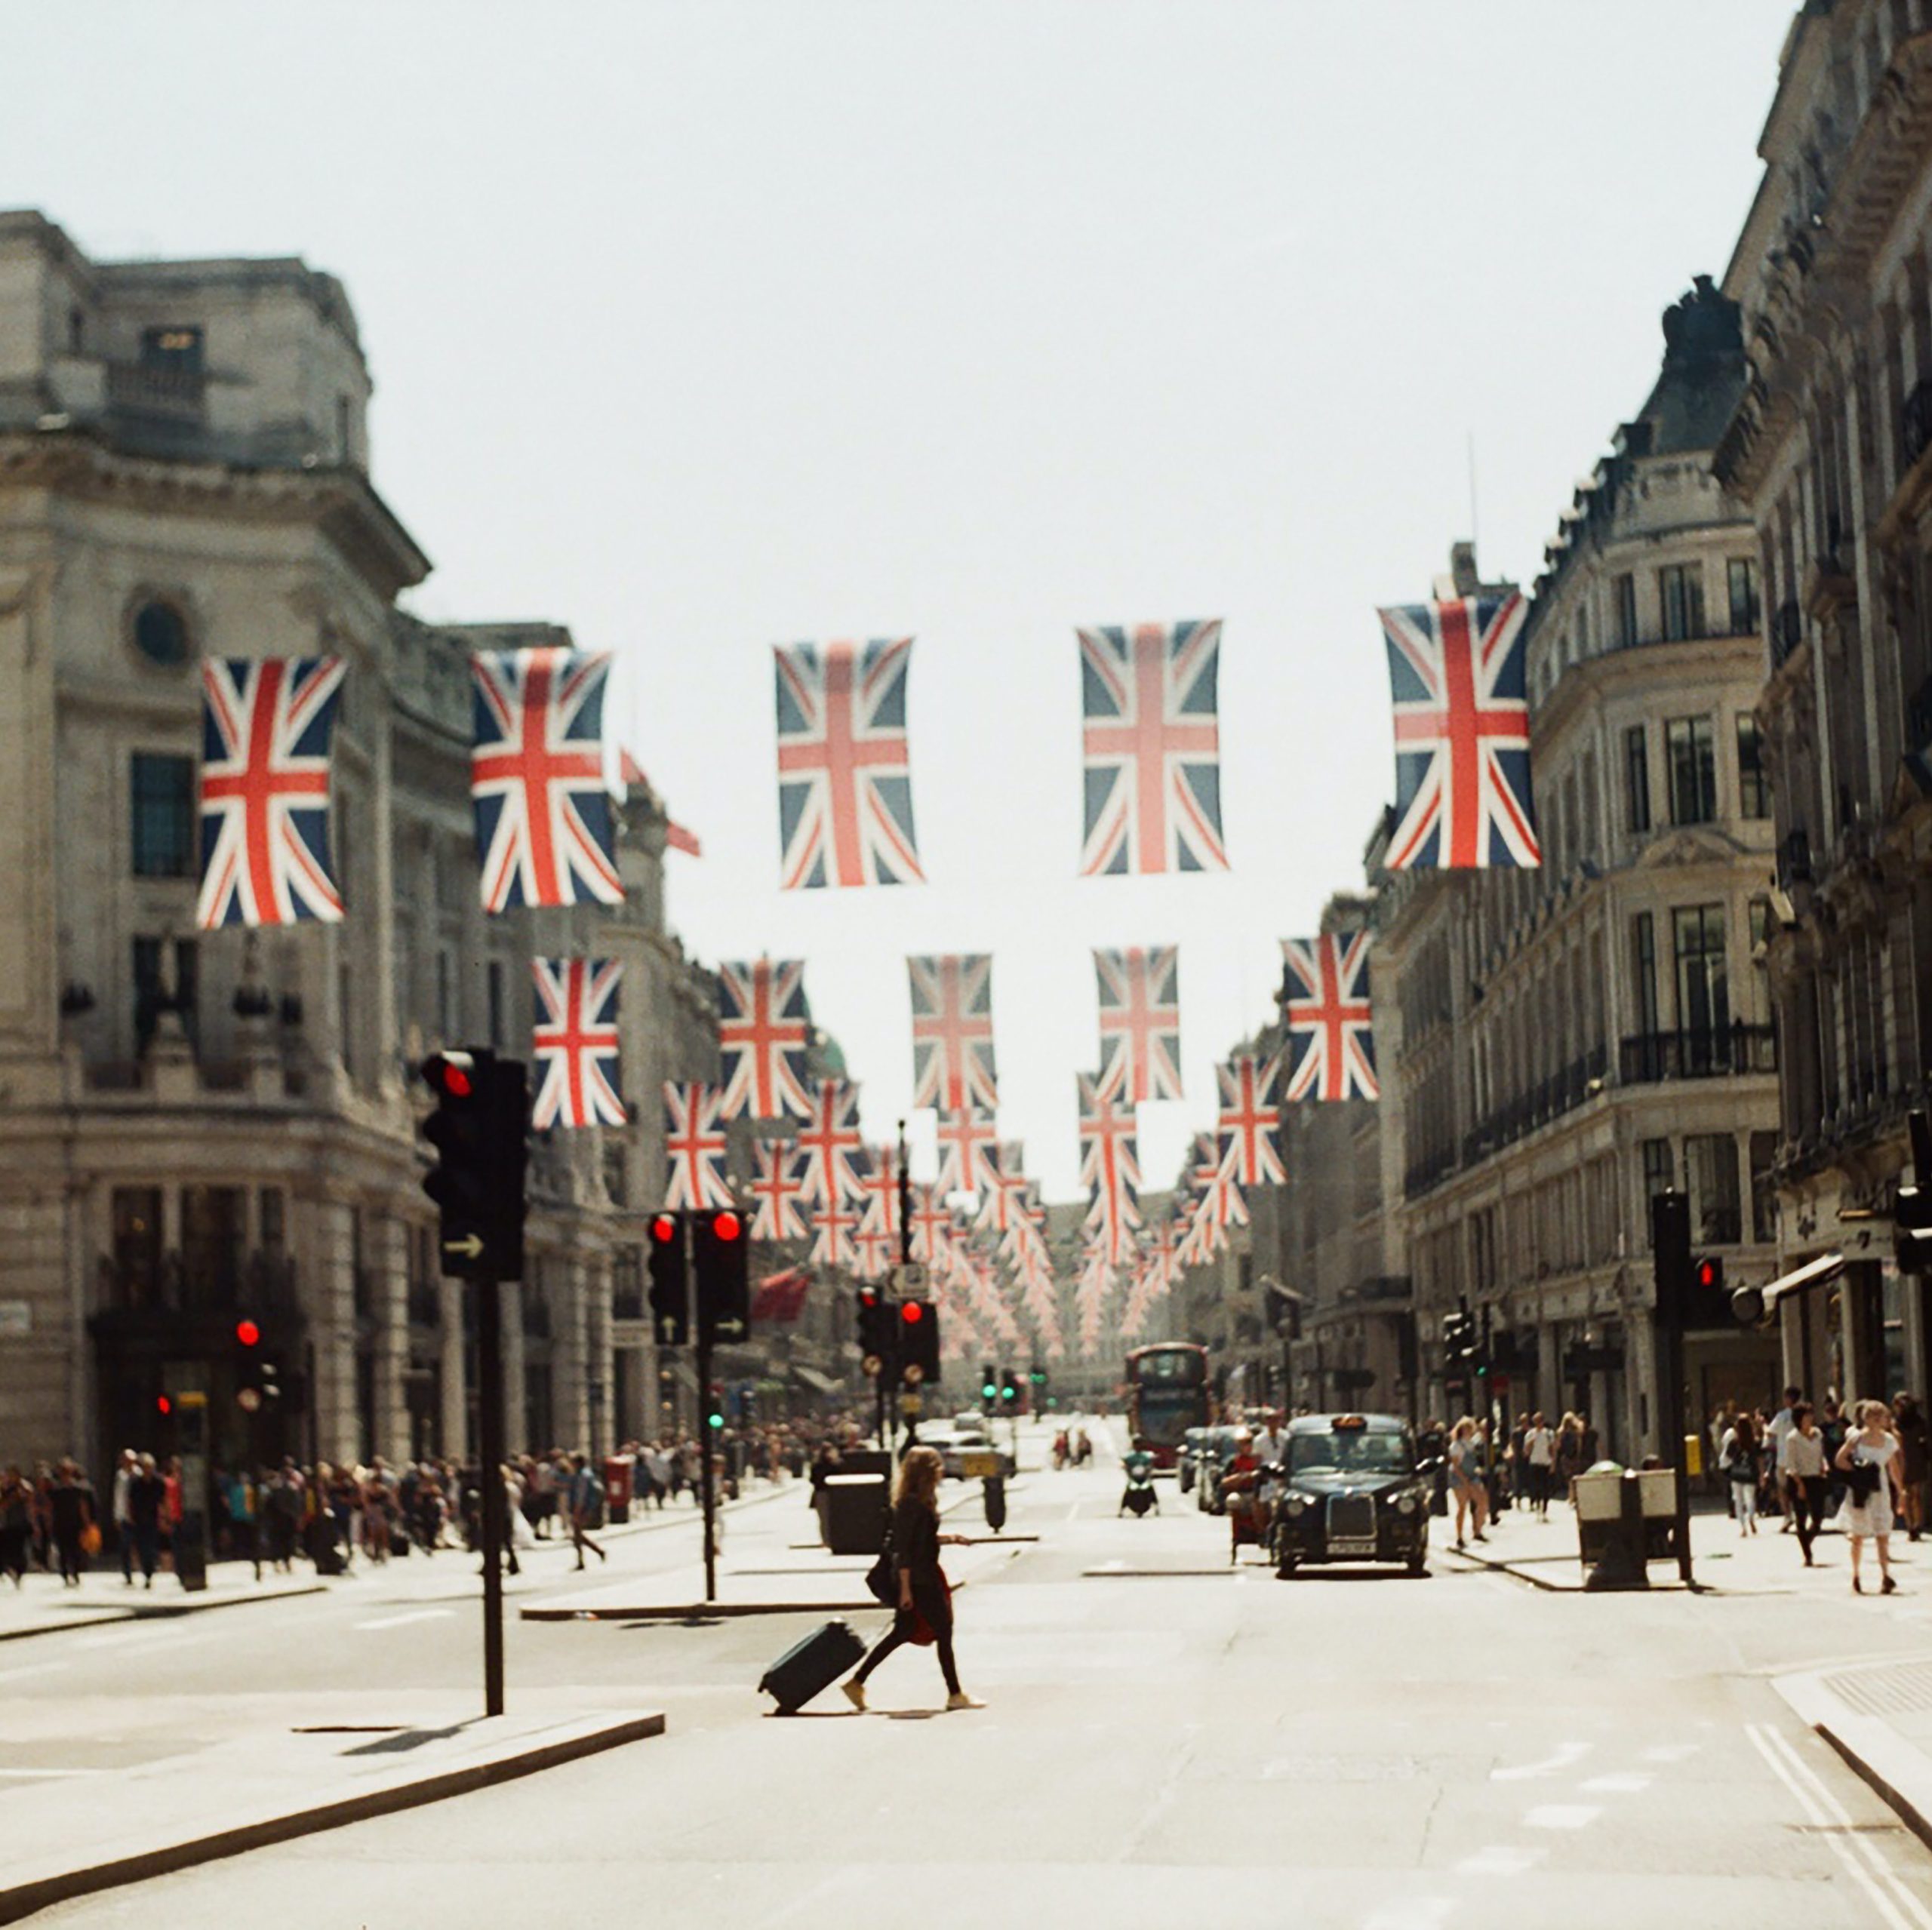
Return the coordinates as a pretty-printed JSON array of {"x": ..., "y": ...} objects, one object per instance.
[
  {"x": 157, "y": 389},
  {"x": 1563, "y": 1092},
  {"x": 1428, "y": 1173},
  {"x": 1787, "y": 631},
  {"x": 1646, "y": 1058}
]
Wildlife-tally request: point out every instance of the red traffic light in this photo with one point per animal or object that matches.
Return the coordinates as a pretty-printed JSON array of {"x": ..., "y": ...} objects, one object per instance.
[
  {"x": 162, "y": 1405},
  {"x": 1707, "y": 1273},
  {"x": 726, "y": 1226},
  {"x": 247, "y": 1333},
  {"x": 911, "y": 1313},
  {"x": 664, "y": 1229}
]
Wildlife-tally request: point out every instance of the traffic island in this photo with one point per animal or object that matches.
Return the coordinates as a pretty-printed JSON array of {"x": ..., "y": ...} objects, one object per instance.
[{"x": 283, "y": 1768}]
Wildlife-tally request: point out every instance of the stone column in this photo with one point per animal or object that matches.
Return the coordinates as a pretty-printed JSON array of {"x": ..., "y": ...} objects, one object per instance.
[
  {"x": 570, "y": 1391},
  {"x": 600, "y": 1358},
  {"x": 388, "y": 1266},
  {"x": 514, "y": 1428},
  {"x": 328, "y": 1294},
  {"x": 455, "y": 1419}
]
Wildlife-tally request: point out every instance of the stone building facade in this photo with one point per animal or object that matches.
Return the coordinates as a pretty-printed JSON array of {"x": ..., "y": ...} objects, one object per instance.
[
  {"x": 1562, "y": 1043},
  {"x": 200, "y": 1125},
  {"x": 1829, "y": 454}
]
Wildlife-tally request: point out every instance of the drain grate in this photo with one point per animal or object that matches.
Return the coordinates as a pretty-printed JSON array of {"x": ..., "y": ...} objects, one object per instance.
[{"x": 1893, "y": 1689}]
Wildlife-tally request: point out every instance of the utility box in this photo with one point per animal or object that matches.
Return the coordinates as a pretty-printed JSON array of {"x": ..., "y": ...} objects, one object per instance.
[
  {"x": 852, "y": 1513},
  {"x": 1600, "y": 1510}
]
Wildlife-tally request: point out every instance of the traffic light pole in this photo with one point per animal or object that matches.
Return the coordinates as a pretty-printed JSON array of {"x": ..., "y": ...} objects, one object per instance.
[
  {"x": 490, "y": 1449},
  {"x": 707, "y": 1480}
]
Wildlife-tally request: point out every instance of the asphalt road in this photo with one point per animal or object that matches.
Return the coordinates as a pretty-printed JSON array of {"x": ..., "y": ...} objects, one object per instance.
[{"x": 1168, "y": 1742}]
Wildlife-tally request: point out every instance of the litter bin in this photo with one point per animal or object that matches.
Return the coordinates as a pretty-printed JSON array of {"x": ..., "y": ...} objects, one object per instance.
[
  {"x": 852, "y": 1513},
  {"x": 618, "y": 1469}
]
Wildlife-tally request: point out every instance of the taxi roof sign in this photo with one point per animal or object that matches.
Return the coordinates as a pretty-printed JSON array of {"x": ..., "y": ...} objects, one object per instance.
[{"x": 1348, "y": 1424}]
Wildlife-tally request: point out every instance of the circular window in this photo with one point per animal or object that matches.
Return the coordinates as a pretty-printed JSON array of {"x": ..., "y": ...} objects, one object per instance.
[{"x": 160, "y": 635}]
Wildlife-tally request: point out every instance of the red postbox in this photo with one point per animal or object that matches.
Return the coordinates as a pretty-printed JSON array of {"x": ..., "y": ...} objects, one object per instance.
[{"x": 617, "y": 1488}]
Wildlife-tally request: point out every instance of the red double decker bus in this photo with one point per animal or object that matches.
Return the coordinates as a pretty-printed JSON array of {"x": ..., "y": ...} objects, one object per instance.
[{"x": 1166, "y": 1395}]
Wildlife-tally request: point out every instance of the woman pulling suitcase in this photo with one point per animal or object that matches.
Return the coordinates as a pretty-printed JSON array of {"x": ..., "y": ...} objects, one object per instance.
[{"x": 924, "y": 1596}]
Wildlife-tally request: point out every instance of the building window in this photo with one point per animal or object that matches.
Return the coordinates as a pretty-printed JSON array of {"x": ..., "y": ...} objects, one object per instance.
[
  {"x": 1741, "y": 574},
  {"x": 1659, "y": 1175},
  {"x": 1764, "y": 1194},
  {"x": 177, "y": 345},
  {"x": 494, "y": 978},
  {"x": 445, "y": 1026},
  {"x": 1680, "y": 599},
  {"x": 345, "y": 1016},
  {"x": 1624, "y": 590},
  {"x": 1710, "y": 1173},
  {"x": 161, "y": 814},
  {"x": 1754, "y": 790},
  {"x": 160, "y": 635},
  {"x": 1644, "y": 962},
  {"x": 211, "y": 1244},
  {"x": 1690, "y": 751},
  {"x": 1637, "y": 775},
  {"x": 153, "y": 995},
  {"x": 137, "y": 1245},
  {"x": 1703, "y": 992},
  {"x": 274, "y": 1205}
]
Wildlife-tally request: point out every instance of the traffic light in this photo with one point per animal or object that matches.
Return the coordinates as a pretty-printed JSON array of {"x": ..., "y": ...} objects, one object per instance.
[
  {"x": 877, "y": 1337},
  {"x": 670, "y": 1310},
  {"x": 479, "y": 1127},
  {"x": 1038, "y": 1376},
  {"x": 1459, "y": 1337},
  {"x": 720, "y": 1259},
  {"x": 919, "y": 1343},
  {"x": 988, "y": 1385},
  {"x": 714, "y": 1410},
  {"x": 1009, "y": 1392},
  {"x": 1912, "y": 1229}
]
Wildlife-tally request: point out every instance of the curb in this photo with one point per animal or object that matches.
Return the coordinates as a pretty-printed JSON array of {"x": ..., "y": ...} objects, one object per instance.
[
  {"x": 20, "y": 1899},
  {"x": 106, "y": 1616},
  {"x": 1870, "y": 1748},
  {"x": 697, "y": 1612}
]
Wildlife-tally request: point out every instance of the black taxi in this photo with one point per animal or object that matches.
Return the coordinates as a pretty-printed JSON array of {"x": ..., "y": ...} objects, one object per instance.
[{"x": 1349, "y": 1488}]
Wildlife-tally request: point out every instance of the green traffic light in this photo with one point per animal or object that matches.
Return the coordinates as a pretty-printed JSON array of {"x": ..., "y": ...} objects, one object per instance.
[
  {"x": 987, "y": 1392},
  {"x": 715, "y": 1420}
]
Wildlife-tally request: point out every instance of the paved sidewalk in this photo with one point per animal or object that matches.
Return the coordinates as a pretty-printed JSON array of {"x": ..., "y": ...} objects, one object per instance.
[
  {"x": 108, "y": 1791},
  {"x": 42, "y": 1607}
]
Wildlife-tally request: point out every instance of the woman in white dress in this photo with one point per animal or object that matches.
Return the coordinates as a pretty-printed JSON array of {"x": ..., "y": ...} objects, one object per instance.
[{"x": 1869, "y": 1460}]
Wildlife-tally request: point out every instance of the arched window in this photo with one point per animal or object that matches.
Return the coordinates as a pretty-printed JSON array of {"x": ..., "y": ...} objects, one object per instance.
[{"x": 160, "y": 634}]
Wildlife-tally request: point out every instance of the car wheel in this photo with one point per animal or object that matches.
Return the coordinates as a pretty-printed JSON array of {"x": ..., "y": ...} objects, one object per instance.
[
  {"x": 1284, "y": 1568},
  {"x": 1418, "y": 1563}
]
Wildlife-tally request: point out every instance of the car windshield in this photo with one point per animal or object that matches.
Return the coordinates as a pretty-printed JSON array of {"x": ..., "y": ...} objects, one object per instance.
[{"x": 1356, "y": 1453}]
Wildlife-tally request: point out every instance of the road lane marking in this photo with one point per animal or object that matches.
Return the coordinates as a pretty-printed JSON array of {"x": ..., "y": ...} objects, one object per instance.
[
  {"x": 1567, "y": 1754},
  {"x": 1625, "y": 1782},
  {"x": 397, "y": 1622},
  {"x": 1824, "y": 1810},
  {"x": 1562, "y": 1815},
  {"x": 1501, "y": 1860},
  {"x": 1672, "y": 1752}
]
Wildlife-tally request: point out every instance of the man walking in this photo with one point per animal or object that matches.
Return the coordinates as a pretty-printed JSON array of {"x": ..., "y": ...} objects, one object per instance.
[
  {"x": 1540, "y": 1455},
  {"x": 125, "y": 1471},
  {"x": 147, "y": 1498},
  {"x": 1778, "y": 1431},
  {"x": 585, "y": 1501}
]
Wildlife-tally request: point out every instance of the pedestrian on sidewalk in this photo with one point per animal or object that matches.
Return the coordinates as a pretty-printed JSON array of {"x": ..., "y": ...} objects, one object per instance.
[
  {"x": 147, "y": 1503},
  {"x": 125, "y": 1469},
  {"x": 16, "y": 1523},
  {"x": 1539, "y": 1458},
  {"x": 925, "y": 1599},
  {"x": 1869, "y": 1460},
  {"x": 1914, "y": 1461},
  {"x": 1465, "y": 1479},
  {"x": 1737, "y": 1456},
  {"x": 71, "y": 1510},
  {"x": 1781, "y": 1425},
  {"x": 586, "y": 1502},
  {"x": 1802, "y": 1475}
]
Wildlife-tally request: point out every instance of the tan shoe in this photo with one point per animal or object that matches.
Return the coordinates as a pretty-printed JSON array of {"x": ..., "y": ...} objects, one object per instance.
[
  {"x": 855, "y": 1694},
  {"x": 963, "y": 1701}
]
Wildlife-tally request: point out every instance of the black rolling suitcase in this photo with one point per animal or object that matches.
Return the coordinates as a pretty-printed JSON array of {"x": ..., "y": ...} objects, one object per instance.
[{"x": 812, "y": 1667}]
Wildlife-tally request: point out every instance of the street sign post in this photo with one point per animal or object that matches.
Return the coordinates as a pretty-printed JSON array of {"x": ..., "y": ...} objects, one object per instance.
[{"x": 1670, "y": 1244}]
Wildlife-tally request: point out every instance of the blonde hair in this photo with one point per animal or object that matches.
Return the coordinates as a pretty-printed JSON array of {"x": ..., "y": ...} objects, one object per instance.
[{"x": 918, "y": 1477}]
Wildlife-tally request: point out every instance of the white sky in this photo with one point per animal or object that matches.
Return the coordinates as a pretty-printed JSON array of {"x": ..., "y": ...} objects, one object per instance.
[{"x": 703, "y": 327}]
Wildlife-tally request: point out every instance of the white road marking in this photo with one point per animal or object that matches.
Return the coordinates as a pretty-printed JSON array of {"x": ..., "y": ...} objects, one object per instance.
[
  {"x": 1672, "y": 1752},
  {"x": 1501, "y": 1860},
  {"x": 38, "y": 1668},
  {"x": 415, "y": 1614},
  {"x": 1562, "y": 1815},
  {"x": 1825, "y": 1813},
  {"x": 1624, "y": 1782},
  {"x": 1567, "y": 1754}
]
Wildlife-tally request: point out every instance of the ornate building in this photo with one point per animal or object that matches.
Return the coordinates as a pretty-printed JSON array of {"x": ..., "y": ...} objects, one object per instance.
[
  {"x": 203, "y": 1126},
  {"x": 1830, "y": 454}
]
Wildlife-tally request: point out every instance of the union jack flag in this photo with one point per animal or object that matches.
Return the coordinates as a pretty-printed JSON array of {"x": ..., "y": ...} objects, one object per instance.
[
  {"x": 952, "y": 1032},
  {"x": 874, "y": 1247},
  {"x": 834, "y": 1222},
  {"x": 1152, "y": 748},
  {"x": 1249, "y": 1127},
  {"x": 1140, "y": 1020},
  {"x": 1109, "y": 1164},
  {"x": 968, "y": 1152},
  {"x": 1463, "y": 797},
  {"x": 1001, "y": 1209},
  {"x": 694, "y": 1148},
  {"x": 266, "y": 723},
  {"x": 576, "y": 1042},
  {"x": 764, "y": 1031},
  {"x": 1325, "y": 1007},
  {"x": 844, "y": 782},
  {"x": 545, "y": 831},
  {"x": 778, "y": 1187},
  {"x": 932, "y": 1226},
  {"x": 829, "y": 1142},
  {"x": 882, "y": 1187}
]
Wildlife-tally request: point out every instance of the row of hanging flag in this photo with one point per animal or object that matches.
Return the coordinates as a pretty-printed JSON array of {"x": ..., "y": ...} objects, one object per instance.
[{"x": 1150, "y": 763}]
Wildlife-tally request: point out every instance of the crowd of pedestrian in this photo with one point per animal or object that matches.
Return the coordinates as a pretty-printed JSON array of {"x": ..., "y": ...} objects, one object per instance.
[{"x": 55, "y": 1521}]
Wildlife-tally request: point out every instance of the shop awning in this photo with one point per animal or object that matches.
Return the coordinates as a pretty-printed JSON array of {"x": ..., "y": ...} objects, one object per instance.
[
  {"x": 1814, "y": 1273},
  {"x": 819, "y": 1383}
]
